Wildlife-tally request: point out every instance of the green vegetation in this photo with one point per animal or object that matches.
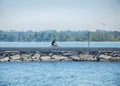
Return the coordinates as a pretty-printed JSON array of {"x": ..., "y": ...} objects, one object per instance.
[{"x": 98, "y": 35}]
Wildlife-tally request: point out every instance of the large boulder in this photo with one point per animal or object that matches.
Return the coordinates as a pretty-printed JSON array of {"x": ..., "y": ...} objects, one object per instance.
[
  {"x": 103, "y": 56},
  {"x": 36, "y": 57},
  {"x": 116, "y": 53},
  {"x": 75, "y": 58},
  {"x": 59, "y": 58},
  {"x": 115, "y": 59},
  {"x": 15, "y": 57},
  {"x": 45, "y": 58},
  {"x": 87, "y": 57},
  {"x": 26, "y": 57},
  {"x": 4, "y": 55},
  {"x": 4, "y": 59}
]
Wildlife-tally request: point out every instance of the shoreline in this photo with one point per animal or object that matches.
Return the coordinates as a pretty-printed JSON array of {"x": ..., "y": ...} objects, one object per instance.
[{"x": 14, "y": 54}]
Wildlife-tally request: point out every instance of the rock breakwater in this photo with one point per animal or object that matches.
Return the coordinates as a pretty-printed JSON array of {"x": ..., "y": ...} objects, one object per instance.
[{"x": 61, "y": 55}]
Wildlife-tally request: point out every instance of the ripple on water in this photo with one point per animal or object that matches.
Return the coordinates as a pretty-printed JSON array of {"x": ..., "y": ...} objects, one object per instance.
[{"x": 60, "y": 73}]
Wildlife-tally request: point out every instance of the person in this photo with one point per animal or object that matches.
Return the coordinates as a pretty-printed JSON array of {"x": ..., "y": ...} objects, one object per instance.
[{"x": 54, "y": 43}]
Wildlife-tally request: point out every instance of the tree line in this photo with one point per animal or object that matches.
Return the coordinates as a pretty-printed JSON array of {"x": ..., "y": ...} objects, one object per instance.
[{"x": 32, "y": 36}]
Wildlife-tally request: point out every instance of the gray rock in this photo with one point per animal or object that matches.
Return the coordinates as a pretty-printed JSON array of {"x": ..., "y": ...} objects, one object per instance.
[
  {"x": 115, "y": 59},
  {"x": 28, "y": 60},
  {"x": 104, "y": 60},
  {"x": 75, "y": 58},
  {"x": 45, "y": 58},
  {"x": 36, "y": 57},
  {"x": 59, "y": 58},
  {"x": 4, "y": 59},
  {"x": 87, "y": 57},
  {"x": 4, "y": 55},
  {"x": 102, "y": 56},
  {"x": 16, "y": 60},
  {"x": 26, "y": 57},
  {"x": 15, "y": 57}
]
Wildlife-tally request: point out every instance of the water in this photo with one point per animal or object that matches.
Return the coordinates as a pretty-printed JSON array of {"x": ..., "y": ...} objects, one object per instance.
[
  {"x": 60, "y": 74},
  {"x": 61, "y": 44}
]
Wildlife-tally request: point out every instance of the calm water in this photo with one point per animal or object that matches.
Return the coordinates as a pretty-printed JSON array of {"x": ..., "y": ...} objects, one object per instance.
[
  {"x": 61, "y": 44},
  {"x": 60, "y": 74}
]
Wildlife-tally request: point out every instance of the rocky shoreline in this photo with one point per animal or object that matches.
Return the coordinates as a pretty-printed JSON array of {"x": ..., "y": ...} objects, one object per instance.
[{"x": 25, "y": 56}]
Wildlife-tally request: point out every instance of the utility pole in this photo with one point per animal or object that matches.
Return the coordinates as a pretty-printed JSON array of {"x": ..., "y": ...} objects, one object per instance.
[
  {"x": 88, "y": 42},
  {"x": 88, "y": 39}
]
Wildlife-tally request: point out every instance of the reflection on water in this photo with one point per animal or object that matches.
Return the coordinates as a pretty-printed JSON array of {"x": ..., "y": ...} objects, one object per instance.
[{"x": 60, "y": 73}]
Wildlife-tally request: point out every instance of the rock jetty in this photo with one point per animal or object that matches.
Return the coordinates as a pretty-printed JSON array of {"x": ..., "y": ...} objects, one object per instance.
[{"x": 59, "y": 55}]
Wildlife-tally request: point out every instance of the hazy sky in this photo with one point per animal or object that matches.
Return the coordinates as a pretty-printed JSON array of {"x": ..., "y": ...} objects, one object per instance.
[{"x": 59, "y": 15}]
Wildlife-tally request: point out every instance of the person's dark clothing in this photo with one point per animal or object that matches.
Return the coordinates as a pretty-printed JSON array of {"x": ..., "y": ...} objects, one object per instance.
[{"x": 53, "y": 42}]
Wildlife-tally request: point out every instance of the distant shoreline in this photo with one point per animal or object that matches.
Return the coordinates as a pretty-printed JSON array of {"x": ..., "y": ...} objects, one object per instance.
[
  {"x": 19, "y": 54},
  {"x": 66, "y": 35}
]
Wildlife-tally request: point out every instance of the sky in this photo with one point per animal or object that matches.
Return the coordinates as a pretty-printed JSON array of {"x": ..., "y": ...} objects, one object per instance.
[{"x": 38, "y": 15}]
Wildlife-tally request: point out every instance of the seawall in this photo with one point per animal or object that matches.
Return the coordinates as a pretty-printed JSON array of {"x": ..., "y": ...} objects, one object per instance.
[{"x": 58, "y": 54}]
